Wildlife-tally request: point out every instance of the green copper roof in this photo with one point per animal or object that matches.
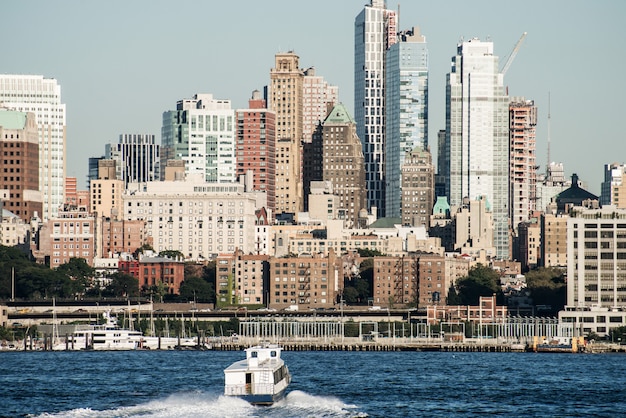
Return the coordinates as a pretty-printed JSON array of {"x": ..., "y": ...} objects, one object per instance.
[
  {"x": 11, "y": 119},
  {"x": 385, "y": 223},
  {"x": 339, "y": 114},
  {"x": 441, "y": 206}
]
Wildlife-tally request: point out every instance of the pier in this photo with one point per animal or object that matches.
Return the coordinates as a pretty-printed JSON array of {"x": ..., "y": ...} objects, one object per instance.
[{"x": 353, "y": 344}]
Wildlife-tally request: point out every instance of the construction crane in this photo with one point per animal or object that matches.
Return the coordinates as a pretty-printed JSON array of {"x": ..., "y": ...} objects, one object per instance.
[{"x": 509, "y": 61}]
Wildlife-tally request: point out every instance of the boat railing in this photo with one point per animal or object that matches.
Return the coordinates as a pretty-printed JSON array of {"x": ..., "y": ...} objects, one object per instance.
[{"x": 246, "y": 389}]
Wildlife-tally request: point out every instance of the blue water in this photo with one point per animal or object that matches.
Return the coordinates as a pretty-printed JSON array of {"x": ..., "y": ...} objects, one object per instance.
[{"x": 325, "y": 384}]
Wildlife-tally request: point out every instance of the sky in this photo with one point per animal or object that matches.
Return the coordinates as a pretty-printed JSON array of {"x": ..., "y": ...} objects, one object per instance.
[{"x": 121, "y": 63}]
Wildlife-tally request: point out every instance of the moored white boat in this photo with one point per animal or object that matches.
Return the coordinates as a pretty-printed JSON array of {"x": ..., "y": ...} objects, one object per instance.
[
  {"x": 261, "y": 379},
  {"x": 108, "y": 336}
]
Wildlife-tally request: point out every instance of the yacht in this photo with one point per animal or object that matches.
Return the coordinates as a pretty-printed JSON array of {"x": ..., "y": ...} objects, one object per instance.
[
  {"x": 261, "y": 379},
  {"x": 108, "y": 336}
]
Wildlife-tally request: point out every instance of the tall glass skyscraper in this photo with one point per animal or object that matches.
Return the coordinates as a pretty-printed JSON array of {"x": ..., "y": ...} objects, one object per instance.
[
  {"x": 42, "y": 96},
  {"x": 477, "y": 135},
  {"x": 374, "y": 32},
  {"x": 136, "y": 157},
  {"x": 406, "y": 110},
  {"x": 201, "y": 131}
]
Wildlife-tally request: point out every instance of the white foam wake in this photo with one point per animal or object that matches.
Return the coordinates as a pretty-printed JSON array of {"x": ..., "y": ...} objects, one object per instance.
[{"x": 199, "y": 404}]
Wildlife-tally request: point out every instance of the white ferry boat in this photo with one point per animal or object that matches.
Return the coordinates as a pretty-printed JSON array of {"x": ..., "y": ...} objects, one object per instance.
[{"x": 261, "y": 379}]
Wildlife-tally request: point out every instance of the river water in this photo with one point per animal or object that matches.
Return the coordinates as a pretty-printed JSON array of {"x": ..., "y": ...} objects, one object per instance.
[{"x": 325, "y": 384}]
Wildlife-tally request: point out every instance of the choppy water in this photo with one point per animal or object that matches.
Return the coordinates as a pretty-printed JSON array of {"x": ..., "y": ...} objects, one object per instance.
[{"x": 325, "y": 384}]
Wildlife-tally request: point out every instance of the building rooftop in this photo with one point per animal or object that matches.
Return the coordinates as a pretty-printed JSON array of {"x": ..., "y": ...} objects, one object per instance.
[
  {"x": 339, "y": 114},
  {"x": 11, "y": 119}
]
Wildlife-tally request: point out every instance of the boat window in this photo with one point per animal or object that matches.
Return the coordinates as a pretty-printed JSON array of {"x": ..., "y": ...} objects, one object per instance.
[
  {"x": 254, "y": 354},
  {"x": 273, "y": 353}
]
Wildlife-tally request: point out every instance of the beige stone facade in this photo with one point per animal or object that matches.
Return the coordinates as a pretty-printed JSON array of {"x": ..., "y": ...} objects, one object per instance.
[
  {"x": 554, "y": 240},
  {"x": 286, "y": 101}
]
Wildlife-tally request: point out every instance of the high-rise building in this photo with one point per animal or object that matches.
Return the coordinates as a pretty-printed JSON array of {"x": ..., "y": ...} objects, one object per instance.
[
  {"x": 522, "y": 123},
  {"x": 406, "y": 110},
  {"x": 477, "y": 135},
  {"x": 69, "y": 235},
  {"x": 136, "y": 158},
  {"x": 417, "y": 188},
  {"x": 342, "y": 162},
  {"x": 256, "y": 146},
  {"x": 550, "y": 184},
  {"x": 19, "y": 154},
  {"x": 613, "y": 191},
  {"x": 42, "y": 96},
  {"x": 375, "y": 30},
  {"x": 553, "y": 244},
  {"x": 317, "y": 97},
  {"x": 443, "y": 165},
  {"x": 71, "y": 191},
  {"x": 596, "y": 253},
  {"x": 286, "y": 100},
  {"x": 201, "y": 132},
  {"x": 105, "y": 192}
]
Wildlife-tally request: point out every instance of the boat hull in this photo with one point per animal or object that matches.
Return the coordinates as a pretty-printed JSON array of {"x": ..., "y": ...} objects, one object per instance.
[{"x": 263, "y": 399}]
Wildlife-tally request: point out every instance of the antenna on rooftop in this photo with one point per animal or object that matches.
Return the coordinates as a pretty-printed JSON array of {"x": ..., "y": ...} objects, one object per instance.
[{"x": 548, "y": 165}]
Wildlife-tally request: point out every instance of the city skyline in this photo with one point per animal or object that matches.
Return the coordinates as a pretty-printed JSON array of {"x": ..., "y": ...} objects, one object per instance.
[{"x": 119, "y": 72}]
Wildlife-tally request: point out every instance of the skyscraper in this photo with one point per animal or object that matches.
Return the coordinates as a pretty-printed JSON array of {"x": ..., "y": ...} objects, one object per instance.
[
  {"x": 406, "y": 110},
  {"x": 256, "y": 146},
  {"x": 477, "y": 135},
  {"x": 136, "y": 158},
  {"x": 286, "y": 100},
  {"x": 201, "y": 131},
  {"x": 418, "y": 186},
  {"x": 374, "y": 32},
  {"x": 19, "y": 148},
  {"x": 522, "y": 122},
  {"x": 317, "y": 97},
  {"x": 614, "y": 185},
  {"x": 42, "y": 96},
  {"x": 343, "y": 162}
]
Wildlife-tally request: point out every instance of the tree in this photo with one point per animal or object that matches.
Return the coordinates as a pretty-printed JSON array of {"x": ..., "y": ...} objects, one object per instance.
[
  {"x": 196, "y": 288},
  {"x": 350, "y": 295},
  {"x": 79, "y": 272},
  {"x": 39, "y": 282},
  {"x": 173, "y": 254},
  {"x": 453, "y": 297},
  {"x": 123, "y": 285},
  {"x": 547, "y": 287},
  {"x": 357, "y": 287},
  {"x": 141, "y": 250},
  {"x": 480, "y": 281},
  {"x": 366, "y": 252}
]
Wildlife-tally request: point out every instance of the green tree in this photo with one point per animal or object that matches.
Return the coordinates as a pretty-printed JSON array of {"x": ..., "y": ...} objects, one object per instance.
[
  {"x": 350, "y": 295},
  {"x": 547, "y": 286},
  {"x": 141, "y": 250},
  {"x": 79, "y": 272},
  {"x": 123, "y": 285},
  {"x": 366, "y": 252},
  {"x": 173, "y": 254},
  {"x": 453, "y": 297},
  {"x": 196, "y": 288},
  {"x": 617, "y": 334},
  {"x": 480, "y": 281},
  {"x": 12, "y": 263}
]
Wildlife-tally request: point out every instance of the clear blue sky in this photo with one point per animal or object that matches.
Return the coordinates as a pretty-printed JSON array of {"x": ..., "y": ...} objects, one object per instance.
[{"x": 122, "y": 63}]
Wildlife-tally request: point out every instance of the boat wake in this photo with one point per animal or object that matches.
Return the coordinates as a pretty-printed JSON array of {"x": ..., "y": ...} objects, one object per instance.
[
  {"x": 295, "y": 404},
  {"x": 298, "y": 403}
]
